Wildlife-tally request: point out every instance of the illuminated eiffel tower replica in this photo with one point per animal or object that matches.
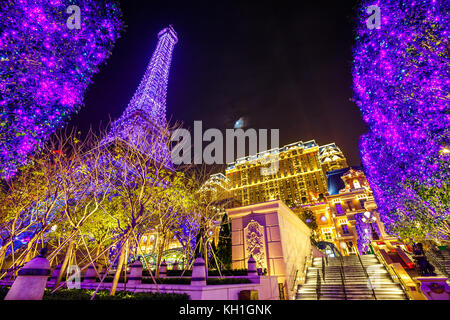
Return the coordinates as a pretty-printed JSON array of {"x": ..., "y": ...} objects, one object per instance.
[{"x": 144, "y": 120}]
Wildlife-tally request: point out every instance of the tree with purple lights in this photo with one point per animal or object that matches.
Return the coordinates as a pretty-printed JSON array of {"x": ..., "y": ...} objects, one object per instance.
[
  {"x": 46, "y": 68},
  {"x": 401, "y": 84}
]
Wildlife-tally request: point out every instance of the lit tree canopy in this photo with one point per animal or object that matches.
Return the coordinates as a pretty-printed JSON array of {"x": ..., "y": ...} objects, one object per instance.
[
  {"x": 401, "y": 84},
  {"x": 46, "y": 68}
]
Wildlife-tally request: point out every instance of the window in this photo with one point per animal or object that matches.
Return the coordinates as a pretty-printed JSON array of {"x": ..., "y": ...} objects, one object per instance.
[
  {"x": 327, "y": 234},
  {"x": 361, "y": 202},
  {"x": 356, "y": 184},
  {"x": 338, "y": 207},
  {"x": 351, "y": 248},
  {"x": 350, "y": 205},
  {"x": 345, "y": 229}
]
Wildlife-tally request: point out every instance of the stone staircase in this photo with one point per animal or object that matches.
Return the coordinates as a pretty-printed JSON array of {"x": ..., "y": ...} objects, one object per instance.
[
  {"x": 441, "y": 261},
  {"x": 352, "y": 278}
]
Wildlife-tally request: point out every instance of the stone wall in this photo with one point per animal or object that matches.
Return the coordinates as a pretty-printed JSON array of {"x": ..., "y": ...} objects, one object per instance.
[{"x": 277, "y": 239}]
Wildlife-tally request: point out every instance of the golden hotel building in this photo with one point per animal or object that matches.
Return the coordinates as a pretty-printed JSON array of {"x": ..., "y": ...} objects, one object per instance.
[{"x": 300, "y": 179}]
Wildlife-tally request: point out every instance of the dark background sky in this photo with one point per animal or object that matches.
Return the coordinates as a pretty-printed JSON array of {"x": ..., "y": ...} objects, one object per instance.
[{"x": 281, "y": 64}]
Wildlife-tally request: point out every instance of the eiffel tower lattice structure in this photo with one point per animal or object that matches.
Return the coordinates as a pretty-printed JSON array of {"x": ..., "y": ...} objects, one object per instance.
[{"x": 144, "y": 119}]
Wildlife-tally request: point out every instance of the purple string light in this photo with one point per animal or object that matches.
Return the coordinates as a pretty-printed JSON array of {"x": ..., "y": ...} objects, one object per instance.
[
  {"x": 401, "y": 84},
  {"x": 46, "y": 68}
]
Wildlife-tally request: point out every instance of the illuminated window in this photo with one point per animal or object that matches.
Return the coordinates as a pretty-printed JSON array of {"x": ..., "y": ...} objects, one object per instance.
[
  {"x": 345, "y": 229},
  {"x": 356, "y": 184},
  {"x": 362, "y": 201},
  {"x": 327, "y": 235}
]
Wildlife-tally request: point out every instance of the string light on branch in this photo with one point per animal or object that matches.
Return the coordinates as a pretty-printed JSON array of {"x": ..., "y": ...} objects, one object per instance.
[
  {"x": 46, "y": 68},
  {"x": 400, "y": 81}
]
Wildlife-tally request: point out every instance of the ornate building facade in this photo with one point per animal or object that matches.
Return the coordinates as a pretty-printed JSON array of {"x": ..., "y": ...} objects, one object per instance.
[
  {"x": 299, "y": 180},
  {"x": 354, "y": 219},
  {"x": 216, "y": 190},
  {"x": 314, "y": 178},
  {"x": 331, "y": 158}
]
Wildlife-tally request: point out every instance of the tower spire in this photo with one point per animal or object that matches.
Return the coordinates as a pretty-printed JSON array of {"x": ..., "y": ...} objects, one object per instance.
[{"x": 147, "y": 108}]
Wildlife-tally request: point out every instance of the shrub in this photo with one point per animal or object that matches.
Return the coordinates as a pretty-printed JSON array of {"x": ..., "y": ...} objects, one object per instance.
[
  {"x": 228, "y": 272},
  {"x": 217, "y": 281},
  {"x": 81, "y": 294},
  {"x": 188, "y": 273},
  {"x": 3, "y": 291},
  {"x": 110, "y": 279},
  {"x": 167, "y": 280},
  {"x": 209, "y": 281},
  {"x": 177, "y": 273}
]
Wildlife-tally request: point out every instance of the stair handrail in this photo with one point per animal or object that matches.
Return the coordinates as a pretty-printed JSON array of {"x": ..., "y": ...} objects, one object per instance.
[
  {"x": 323, "y": 269},
  {"x": 318, "y": 285},
  {"x": 305, "y": 266},
  {"x": 303, "y": 272},
  {"x": 294, "y": 282},
  {"x": 343, "y": 277},
  {"x": 433, "y": 257},
  {"x": 368, "y": 278}
]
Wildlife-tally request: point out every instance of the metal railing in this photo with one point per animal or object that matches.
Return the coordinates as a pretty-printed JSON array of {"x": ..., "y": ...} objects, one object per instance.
[
  {"x": 318, "y": 285},
  {"x": 435, "y": 262},
  {"x": 303, "y": 273},
  {"x": 323, "y": 269},
  {"x": 368, "y": 278},
  {"x": 343, "y": 276},
  {"x": 295, "y": 280}
]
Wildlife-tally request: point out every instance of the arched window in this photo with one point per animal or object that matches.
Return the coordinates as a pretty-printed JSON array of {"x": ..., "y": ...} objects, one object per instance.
[{"x": 356, "y": 184}]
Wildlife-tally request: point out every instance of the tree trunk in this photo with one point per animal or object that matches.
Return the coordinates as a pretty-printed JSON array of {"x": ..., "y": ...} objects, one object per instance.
[
  {"x": 125, "y": 264},
  {"x": 64, "y": 264},
  {"x": 2, "y": 255},
  {"x": 119, "y": 269},
  {"x": 160, "y": 252},
  {"x": 29, "y": 251},
  {"x": 205, "y": 246}
]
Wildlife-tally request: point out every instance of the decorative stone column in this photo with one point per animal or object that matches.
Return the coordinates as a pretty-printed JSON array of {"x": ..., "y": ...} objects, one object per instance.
[
  {"x": 198, "y": 273},
  {"x": 91, "y": 274},
  {"x": 31, "y": 280},
  {"x": 435, "y": 288},
  {"x": 135, "y": 277},
  {"x": 251, "y": 271},
  {"x": 163, "y": 269}
]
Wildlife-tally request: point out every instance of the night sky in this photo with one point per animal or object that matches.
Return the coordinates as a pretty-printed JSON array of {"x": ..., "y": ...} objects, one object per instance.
[{"x": 283, "y": 65}]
